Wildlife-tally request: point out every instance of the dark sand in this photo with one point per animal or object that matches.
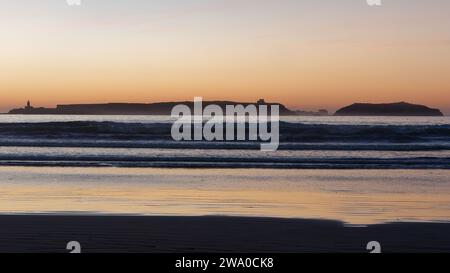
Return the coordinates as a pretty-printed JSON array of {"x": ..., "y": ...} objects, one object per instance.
[{"x": 43, "y": 233}]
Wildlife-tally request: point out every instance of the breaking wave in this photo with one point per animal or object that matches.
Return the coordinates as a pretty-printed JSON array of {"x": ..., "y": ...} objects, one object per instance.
[{"x": 87, "y": 133}]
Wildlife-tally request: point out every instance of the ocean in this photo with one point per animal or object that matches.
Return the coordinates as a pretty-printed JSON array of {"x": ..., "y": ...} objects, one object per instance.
[
  {"x": 360, "y": 170},
  {"x": 305, "y": 142}
]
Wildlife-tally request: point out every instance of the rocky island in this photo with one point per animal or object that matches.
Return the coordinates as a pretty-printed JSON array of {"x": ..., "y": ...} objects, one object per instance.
[
  {"x": 162, "y": 108},
  {"x": 388, "y": 109}
]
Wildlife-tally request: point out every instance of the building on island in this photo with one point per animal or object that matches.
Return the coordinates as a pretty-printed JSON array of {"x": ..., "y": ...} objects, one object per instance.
[{"x": 28, "y": 107}]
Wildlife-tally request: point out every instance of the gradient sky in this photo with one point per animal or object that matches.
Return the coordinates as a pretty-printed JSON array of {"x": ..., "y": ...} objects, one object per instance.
[{"x": 308, "y": 54}]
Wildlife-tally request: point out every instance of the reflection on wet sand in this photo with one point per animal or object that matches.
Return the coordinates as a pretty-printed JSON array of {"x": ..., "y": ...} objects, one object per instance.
[{"x": 352, "y": 196}]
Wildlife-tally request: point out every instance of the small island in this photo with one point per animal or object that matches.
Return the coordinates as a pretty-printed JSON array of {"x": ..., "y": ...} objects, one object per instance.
[{"x": 388, "y": 109}]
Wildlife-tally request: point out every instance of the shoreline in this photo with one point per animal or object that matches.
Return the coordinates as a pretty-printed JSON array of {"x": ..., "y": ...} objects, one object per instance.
[
  {"x": 212, "y": 234},
  {"x": 352, "y": 196},
  {"x": 205, "y": 165}
]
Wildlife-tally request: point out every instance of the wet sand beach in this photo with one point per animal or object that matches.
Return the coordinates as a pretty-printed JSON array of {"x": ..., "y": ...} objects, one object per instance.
[{"x": 124, "y": 234}]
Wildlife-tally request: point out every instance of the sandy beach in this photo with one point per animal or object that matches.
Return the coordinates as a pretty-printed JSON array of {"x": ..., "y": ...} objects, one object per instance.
[{"x": 110, "y": 234}]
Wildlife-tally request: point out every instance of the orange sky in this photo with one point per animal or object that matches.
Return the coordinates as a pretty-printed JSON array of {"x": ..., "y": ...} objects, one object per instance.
[{"x": 305, "y": 54}]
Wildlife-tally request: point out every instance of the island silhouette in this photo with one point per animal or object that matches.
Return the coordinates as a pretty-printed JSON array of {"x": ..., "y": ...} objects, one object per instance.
[
  {"x": 160, "y": 108},
  {"x": 165, "y": 108},
  {"x": 388, "y": 109}
]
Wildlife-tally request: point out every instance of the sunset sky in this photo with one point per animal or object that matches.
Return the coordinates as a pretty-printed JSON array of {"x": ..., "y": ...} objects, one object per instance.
[{"x": 307, "y": 54}]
